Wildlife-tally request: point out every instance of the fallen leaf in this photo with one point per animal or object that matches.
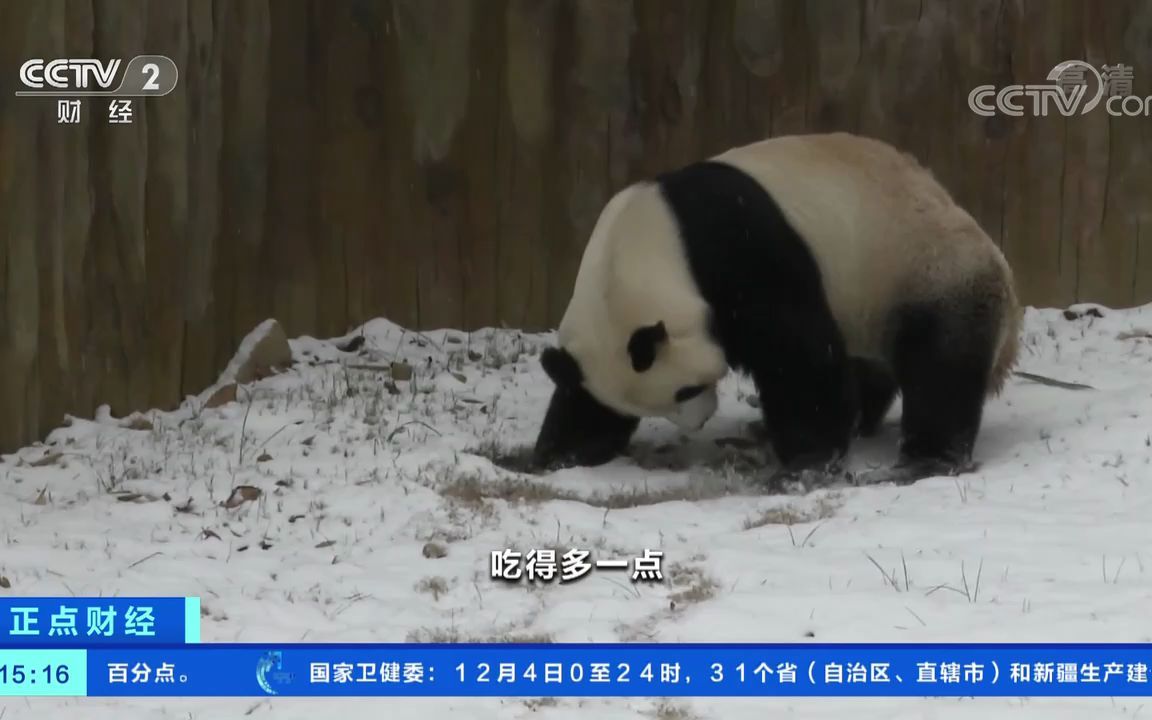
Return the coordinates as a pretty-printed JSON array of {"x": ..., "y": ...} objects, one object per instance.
[
  {"x": 1134, "y": 334},
  {"x": 206, "y": 533},
  {"x": 434, "y": 550},
  {"x": 242, "y": 494},
  {"x": 185, "y": 508},
  {"x": 264, "y": 457},
  {"x": 5, "y": 583},
  {"x": 294, "y": 518},
  {"x": 42, "y": 498},
  {"x": 326, "y": 543}
]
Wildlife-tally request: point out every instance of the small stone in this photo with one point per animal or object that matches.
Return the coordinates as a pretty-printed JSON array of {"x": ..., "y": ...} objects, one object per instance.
[
  {"x": 221, "y": 396},
  {"x": 401, "y": 371},
  {"x": 263, "y": 352},
  {"x": 434, "y": 550},
  {"x": 352, "y": 345}
]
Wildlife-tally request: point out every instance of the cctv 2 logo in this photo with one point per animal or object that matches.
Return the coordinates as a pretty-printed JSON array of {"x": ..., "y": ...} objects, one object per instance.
[{"x": 144, "y": 75}]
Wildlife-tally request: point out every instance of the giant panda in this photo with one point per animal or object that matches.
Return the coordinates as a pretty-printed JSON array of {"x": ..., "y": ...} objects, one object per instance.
[{"x": 833, "y": 269}]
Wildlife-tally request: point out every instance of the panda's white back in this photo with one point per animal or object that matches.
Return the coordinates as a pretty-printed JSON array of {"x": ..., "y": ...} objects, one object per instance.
[{"x": 879, "y": 225}]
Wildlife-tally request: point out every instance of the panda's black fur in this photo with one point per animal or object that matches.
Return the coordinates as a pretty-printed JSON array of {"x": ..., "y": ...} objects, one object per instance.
[{"x": 770, "y": 314}]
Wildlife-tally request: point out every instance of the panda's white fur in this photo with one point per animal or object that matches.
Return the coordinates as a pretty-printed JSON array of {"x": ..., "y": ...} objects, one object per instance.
[
  {"x": 633, "y": 274},
  {"x": 883, "y": 232}
]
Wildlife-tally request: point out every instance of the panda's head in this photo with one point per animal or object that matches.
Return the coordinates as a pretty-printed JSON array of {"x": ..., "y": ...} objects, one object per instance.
[
  {"x": 635, "y": 339},
  {"x": 592, "y": 414}
]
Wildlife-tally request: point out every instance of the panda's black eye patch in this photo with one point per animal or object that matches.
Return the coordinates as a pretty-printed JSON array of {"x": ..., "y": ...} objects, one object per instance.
[
  {"x": 688, "y": 392},
  {"x": 643, "y": 343}
]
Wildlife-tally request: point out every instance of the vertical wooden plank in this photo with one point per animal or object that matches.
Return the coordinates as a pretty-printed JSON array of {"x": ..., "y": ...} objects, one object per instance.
[
  {"x": 292, "y": 167},
  {"x": 207, "y": 342},
  {"x": 44, "y": 397},
  {"x": 351, "y": 107},
  {"x": 1087, "y": 164},
  {"x": 20, "y": 126},
  {"x": 666, "y": 61},
  {"x": 245, "y": 27},
  {"x": 1111, "y": 254},
  {"x": 774, "y": 46},
  {"x": 526, "y": 129},
  {"x": 227, "y": 272},
  {"x": 833, "y": 100},
  {"x": 326, "y": 230},
  {"x": 167, "y": 209},
  {"x": 399, "y": 245},
  {"x": 1033, "y": 214},
  {"x": 1137, "y": 44},
  {"x": 718, "y": 64},
  {"x": 888, "y": 102},
  {"x": 115, "y": 355},
  {"x": 61, "y": 377},
  {"x": 979, "y": 56},
  {"x": 437, "y": 79},
  {"x": 368, "y": 254},
  {"x": 478, "y": 228},
  {"x": 594, "y": 93},
  {"x": 557, "y": 231}
]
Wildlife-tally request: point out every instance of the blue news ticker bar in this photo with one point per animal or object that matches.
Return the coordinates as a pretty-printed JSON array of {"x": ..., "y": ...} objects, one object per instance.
[
  {"x": 586, "y": 670},
  {"x": 80, "y": 622}
]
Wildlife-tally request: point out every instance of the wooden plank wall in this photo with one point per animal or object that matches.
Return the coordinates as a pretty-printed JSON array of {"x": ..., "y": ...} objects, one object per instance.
[{"x": 440, "y": 162}]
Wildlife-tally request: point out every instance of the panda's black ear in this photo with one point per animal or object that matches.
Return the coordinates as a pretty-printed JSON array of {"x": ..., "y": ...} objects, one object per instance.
[
  {"x": 643, "y": 344},
  {"x": 559, "y": 364}
]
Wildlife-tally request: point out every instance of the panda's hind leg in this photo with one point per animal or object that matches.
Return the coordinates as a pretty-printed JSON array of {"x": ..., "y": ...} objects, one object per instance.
[{"x": 942, "y": 353}]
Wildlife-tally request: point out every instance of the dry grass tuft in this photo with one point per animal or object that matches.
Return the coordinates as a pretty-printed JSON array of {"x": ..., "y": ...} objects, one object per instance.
[
  {"x": 665, "y": 710},
  {"x": 434, "y": 586},
  {"x": 695, "y": 585},
  {"x": 453, "y": 635},
  {"x": 822, "y": 508}
]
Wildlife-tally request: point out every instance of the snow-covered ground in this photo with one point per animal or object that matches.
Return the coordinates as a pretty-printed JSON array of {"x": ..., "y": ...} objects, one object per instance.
[{"x": 380, "y": 507}]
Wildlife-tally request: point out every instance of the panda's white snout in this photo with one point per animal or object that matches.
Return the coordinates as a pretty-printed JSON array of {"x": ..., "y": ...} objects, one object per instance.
[{"x": 691, "y": 414}]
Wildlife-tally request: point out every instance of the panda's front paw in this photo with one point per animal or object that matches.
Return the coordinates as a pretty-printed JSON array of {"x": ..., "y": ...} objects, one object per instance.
[
  {"x": 909, "y": 472},
  {"x": 799, "y": 481}
]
